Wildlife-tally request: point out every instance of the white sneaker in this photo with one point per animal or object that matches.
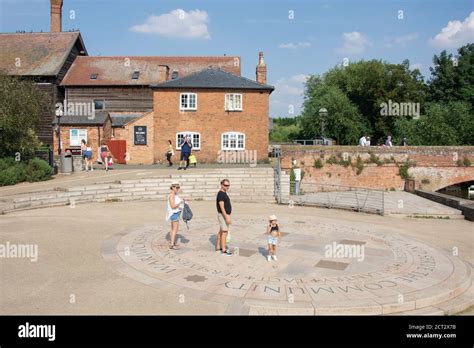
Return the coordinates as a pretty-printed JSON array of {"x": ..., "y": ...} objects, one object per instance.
[
  {"x": 275, "y": 258},
  {"x": 269, "y": 258}
]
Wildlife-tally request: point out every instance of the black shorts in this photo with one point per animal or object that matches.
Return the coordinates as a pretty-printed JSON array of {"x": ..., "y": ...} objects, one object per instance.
[{"x": 184, "y": 156}]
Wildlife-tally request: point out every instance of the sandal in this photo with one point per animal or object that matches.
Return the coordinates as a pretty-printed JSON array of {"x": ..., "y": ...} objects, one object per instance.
[{"x": 174, "y": 247}]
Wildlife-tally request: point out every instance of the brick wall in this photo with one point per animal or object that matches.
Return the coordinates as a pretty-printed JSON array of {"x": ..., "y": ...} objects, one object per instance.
[
  {"x": 92, "y": 136},
  {"x": 211, "y": 120},
  {"x": 436, "y": 166},
  {"x": 138, "y": 154}
]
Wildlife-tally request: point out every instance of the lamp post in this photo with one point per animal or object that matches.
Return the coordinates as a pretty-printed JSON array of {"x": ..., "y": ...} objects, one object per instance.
[
  {"x": 323, "y": 112},
  {"x": 59, "y": 113}
]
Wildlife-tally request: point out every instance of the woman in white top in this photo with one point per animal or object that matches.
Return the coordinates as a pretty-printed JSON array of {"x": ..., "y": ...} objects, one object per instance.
[{"x": 175, "y": 206}]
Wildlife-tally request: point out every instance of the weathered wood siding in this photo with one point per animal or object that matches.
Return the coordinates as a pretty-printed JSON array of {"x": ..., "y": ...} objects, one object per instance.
[{"x": 116, "y": 98}]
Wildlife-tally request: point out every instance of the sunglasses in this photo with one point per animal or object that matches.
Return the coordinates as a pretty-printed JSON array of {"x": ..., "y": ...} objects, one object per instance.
[
  {"x": 176, "y": 187},
  {"x": 225, "y": 185}
]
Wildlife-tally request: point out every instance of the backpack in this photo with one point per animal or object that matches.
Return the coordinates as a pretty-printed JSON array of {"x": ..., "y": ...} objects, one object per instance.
[{"x": 187, "y": 214}]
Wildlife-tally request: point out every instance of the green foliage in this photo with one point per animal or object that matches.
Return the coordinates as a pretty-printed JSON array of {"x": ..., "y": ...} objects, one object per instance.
[
  {"x": 443, "y": 124},
  {"x": 359, "y": 165},
  {"x": 12, "y": 172},
  {"x": 343, "y": 123},
  {"x": 425, "y": 181},
  {"x": 20, "y": 111},
  {"x": 450, "y": 81},
  {"x": 38, "y": 170},
  {"x": 284, "y": 133},
  {"x": 318, "y": 164},
  {"x": 465, "y": 162},
  {"x": 403, "y": 169},
  {"x": 353, "y": 96},
  {"x": 375, "y": 159}
]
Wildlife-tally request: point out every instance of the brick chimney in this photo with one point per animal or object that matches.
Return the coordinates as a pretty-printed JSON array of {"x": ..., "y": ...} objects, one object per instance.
[
  {"x": 56, "y": 16},
  {"x": 261, "y": 69}
]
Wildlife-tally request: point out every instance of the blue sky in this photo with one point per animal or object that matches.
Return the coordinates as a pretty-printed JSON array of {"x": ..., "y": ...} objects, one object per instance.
[{"x": 298, "y": 37}]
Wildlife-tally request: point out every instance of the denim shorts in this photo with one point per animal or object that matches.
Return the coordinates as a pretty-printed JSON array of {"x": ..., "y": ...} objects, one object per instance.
[
  {"x": 175, "y": 216},
  {"x": 273, "y": 240}
]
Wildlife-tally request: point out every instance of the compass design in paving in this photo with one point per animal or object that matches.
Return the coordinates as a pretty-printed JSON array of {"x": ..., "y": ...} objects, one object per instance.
[{"x": 393, "y": 274}]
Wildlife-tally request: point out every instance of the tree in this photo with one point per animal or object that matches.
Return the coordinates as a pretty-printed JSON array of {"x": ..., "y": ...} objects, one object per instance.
[
  {"x": 22, "y": 105},
  {"x": 441, "y": 124},
  {"x": 343, "y": 122},
  {"x": 369, "y": 83},
  {"x": 452, "y": 78}
]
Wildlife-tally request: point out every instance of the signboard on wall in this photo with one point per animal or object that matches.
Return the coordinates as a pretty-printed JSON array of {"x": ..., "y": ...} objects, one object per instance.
[
  {"x": 76, "y": 136},
  {"x": 139, "y": 135}
]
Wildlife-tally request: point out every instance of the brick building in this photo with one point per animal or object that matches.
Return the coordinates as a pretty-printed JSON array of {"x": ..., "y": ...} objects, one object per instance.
[{"x": 219, "y": 111}]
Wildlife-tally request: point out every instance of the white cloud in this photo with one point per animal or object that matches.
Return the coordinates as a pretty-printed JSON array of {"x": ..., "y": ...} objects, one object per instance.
[
  {"x": 288, "y": 96},
  {"x": 354, "y": 43},
  {"x": 455, "y": 34},
  {"x": 402, "y": 40},
  {"x": 296, "y": 45},
  {"x": 177, "y": 23},
  {"x": 300, "y": 78}
]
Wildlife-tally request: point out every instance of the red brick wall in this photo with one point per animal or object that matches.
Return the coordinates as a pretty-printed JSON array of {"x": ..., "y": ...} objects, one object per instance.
[
  {"x": 138, "y": 154},
  {"x": 437, "y": 166},
  {"x": 211, "y": 120},
  {"x": 92, "y": 137}
]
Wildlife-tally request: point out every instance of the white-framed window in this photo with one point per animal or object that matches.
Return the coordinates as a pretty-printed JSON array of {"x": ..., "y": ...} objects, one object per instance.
[
  {"x": 194, "y": 136},
  {"x": 188, "y": 101},
  {"x": 233, "y": 102},
  {"x": 233, "y": 141},
  {"x": 76, "y": 136}
]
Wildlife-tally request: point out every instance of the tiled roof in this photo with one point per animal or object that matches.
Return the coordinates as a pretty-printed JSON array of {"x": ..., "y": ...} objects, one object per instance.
[
  {"x": 99, "y": 118},
  {"x": 37, "y": 54},
  {"x": 118, "y": 71},
  {"x": 120, "y": 119},
  {"x": 213, "y": 78}
]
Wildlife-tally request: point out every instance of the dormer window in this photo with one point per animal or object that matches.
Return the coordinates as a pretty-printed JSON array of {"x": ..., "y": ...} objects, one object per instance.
[
  {"x": 174, "y": 75},
  {"x": 93, "y": 77},
  {"x": 135, "y": 75}
]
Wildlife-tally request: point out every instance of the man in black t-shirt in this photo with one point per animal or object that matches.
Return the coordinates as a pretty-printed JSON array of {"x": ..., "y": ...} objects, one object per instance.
[{"x": 224, "y": 209}]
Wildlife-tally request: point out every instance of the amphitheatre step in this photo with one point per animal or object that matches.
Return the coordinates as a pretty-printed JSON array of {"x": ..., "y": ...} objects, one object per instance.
[{"x": 248, "y": 184}]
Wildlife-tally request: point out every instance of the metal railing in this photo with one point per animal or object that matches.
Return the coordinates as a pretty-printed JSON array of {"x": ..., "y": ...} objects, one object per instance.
[
  {"x": 337, "y": 196},
  {"x": 276, "y": 153}
]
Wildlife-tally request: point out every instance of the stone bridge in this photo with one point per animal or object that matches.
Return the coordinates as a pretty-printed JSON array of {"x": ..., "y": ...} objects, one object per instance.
[{"x": 432, "y": 167}]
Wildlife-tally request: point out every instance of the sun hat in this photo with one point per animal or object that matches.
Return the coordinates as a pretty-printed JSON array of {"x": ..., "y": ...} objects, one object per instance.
[
  {"x": 272, "y": 217},
  {"x": 175, "y": 183}
]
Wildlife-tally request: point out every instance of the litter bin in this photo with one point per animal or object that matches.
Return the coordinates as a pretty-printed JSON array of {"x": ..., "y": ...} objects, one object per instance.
[{"x": 66, "y": 162}]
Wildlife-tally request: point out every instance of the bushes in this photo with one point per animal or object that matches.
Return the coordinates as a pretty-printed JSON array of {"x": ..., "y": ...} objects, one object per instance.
[
  {"x": 38, "y": 170},
  {"x": 12, "y": 172}
]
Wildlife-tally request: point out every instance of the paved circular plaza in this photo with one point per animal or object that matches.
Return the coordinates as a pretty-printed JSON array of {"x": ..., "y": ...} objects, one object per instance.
[
  {"x": 112, "y": 258},
  {"x": 322, "y": 268}
]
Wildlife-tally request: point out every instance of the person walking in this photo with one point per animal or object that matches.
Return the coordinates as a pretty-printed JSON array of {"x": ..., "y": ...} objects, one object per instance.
[
  {"x": 186, "y": 147},
  {"x": 388, "y": 142},
  {"x": 224, "y": 209},
  {"x": 83, "y": 154},
  {"x": 174, "y": 208},
  {"x": 363, "y": 141},
  {"x": 273, "y": 231},
  {"x": 88, "y": 156},
  {"x": 104, "y": 150},
  {"x": 169, "y": 153}
]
